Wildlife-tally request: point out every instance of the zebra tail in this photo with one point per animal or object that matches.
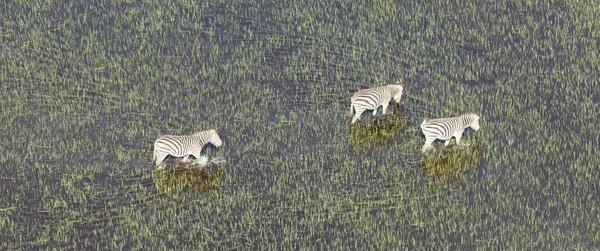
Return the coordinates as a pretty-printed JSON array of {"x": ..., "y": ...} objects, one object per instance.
[
  {"x": 351, "y": 109},
  {"x": 153, "y": 157}
]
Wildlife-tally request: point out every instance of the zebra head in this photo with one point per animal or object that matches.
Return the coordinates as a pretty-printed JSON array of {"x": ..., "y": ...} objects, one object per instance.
[
  {"x": 215, "y": 139},
  {"x": 211, "y": 135},
  {"x": 397, "y": 89},
  {"x": 473, "y": 120}
]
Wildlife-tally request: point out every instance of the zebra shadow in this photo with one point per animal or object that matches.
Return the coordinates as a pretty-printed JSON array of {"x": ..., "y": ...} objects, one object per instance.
[
  {"x": 453, "y": 160},
  {"x": 378, "y": 130}
]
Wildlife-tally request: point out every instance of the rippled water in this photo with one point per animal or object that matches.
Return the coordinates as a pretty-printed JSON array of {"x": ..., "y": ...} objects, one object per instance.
[{"x": 85, "y": 90}]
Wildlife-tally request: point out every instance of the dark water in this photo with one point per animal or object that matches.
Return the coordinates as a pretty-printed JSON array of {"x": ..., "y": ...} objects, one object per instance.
[{"x": 87, "y": 88}]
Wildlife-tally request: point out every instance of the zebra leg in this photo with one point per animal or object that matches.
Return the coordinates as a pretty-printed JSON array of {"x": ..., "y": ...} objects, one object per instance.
[
  {"x": 357, "y": 115},
  {"x": 159, "y": 160},
  {"x": 385, "y": 106},
  {"x": 427, "y": 148},
  {"x": 427, "y": 145}
]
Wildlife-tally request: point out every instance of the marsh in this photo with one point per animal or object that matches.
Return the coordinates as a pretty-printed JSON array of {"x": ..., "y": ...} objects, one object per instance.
[{"x": 86, "y": 88}]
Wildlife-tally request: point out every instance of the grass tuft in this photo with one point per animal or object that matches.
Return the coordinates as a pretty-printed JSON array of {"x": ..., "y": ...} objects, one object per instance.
[
  {"x": 452, "y": 160},
  {"x": 381, "y": 130},
  {"x": 181, "y": 176}
]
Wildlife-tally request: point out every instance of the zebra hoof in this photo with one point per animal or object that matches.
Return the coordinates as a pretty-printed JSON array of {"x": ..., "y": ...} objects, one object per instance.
[{"x": 431, "y": 150}]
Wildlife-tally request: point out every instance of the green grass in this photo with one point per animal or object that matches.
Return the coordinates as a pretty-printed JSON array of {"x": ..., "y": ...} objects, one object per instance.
[
  {"x": 452, "y": 160},
  {"x": 182, "y": 177},
  {"x": 85, "y": 89},
  {"x": 380, "y": 131}
]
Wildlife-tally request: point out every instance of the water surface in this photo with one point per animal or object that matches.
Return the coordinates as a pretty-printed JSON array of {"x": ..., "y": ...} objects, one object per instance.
[{"x": 87, "y": 88}]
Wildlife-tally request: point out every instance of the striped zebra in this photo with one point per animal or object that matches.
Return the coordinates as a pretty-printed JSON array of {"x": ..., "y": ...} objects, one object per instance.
[
  {"x": 446, "y": 128},
  {"x": 373, "y": 98},
  {"x": 184, "y": 145}
]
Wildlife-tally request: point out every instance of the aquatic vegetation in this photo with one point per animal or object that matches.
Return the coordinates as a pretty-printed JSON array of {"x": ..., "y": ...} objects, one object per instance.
[
  {"x": 86, "y": 87},
  {"x": 379, "y": 130},
  {"x": 452, "y": 160},
  {"x": 180, "y": 176}
]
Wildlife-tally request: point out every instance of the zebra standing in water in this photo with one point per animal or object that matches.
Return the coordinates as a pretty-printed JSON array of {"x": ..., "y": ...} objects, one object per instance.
[
  {"x": 446, "y": 128},
  {"x": 373, "y": 98},
  {"x": 184, "y": 145}
]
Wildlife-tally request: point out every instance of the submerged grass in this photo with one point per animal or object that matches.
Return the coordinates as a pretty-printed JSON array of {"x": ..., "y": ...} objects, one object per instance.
[
  {"x": 381, "y": 130},
  {"x": 453, "y": 160},
  {"x": 87, "y": 87},
  {"x": 183, "y": 177}
]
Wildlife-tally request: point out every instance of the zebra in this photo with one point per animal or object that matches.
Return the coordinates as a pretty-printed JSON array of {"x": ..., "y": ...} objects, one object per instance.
[
  {"x": 373, "y": 98},
  {"x": 446, "y": 128},
  {"x": 184, "y": 145}
]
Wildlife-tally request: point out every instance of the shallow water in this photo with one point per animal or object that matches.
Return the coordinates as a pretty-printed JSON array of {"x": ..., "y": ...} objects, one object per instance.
[{"x": 86, "y": 89}]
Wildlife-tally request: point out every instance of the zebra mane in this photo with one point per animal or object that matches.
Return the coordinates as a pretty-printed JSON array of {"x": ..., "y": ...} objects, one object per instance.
[
  {"x": 470, "y": 114},
  {"x": 395, "y": 84}
]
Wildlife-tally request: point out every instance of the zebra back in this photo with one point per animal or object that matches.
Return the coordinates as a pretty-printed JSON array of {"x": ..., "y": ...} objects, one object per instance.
[{"x": 371, "y": 98}]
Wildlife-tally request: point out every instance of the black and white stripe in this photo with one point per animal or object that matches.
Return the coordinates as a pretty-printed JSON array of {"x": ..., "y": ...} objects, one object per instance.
[
  {"x": 446, "y": 128},
  {"x": 373, "y": 98},
  {"x": 184, "y": 145}
]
